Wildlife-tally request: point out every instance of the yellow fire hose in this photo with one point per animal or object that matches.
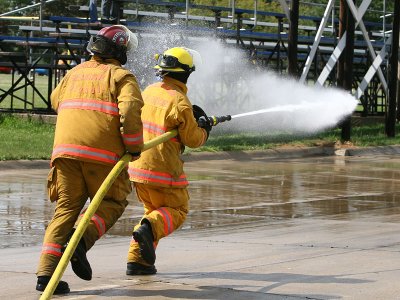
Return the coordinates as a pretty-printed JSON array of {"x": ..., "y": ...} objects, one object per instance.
[{"x": 92, "y": 208}]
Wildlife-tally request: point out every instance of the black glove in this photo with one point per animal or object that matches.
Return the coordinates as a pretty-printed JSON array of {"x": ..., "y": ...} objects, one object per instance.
[
  {"x": 202, "y": 119},
  {"x": 198, "y": 112}
]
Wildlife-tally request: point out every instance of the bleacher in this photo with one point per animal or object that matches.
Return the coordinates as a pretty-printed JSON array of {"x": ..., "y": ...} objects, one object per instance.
[
  {"x": 49, "y": 48},
  {"x": 57, "y": 43}
]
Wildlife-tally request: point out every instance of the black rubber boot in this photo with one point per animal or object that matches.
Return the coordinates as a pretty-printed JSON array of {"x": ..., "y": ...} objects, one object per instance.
[
  {"x": 80, "y": 264},
  {"x": 144, "y": 236},
  {"x": 134, "y": 268},
  {"x": 42, "y": 281}
]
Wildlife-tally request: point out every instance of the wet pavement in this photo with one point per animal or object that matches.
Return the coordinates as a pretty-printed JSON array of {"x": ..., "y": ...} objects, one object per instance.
[
  {"x": 260, "y": 227},
  {"x": 227, "y": 192}
]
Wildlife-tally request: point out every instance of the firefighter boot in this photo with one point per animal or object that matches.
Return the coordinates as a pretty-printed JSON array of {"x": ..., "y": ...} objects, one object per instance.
[
  {"x": 134, "y": 268},
  {"x": 42, "y": 281},
  {"x": 80, "y": 264},
  {"x": 144, "y": 236}
]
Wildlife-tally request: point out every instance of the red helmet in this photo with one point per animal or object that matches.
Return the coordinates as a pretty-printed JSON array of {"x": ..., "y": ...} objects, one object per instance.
[
  {"x": 116, "y": 34},
  {"x": 113, "y": 42}
]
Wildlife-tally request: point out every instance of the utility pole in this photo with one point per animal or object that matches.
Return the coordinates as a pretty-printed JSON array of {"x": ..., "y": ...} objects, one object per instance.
[
  {"x": 342, "y": 28},
  {"x": 393, "y": 68},
  {"x": 398, "y": 87},
  {"x": 293, "y": 38},
  {"x": 345, "y": 64}
]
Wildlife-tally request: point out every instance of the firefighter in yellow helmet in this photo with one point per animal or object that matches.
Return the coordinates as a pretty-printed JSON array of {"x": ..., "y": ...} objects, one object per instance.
[
  {"x": 99, "y": 106},
  {"x": 158, "y": 176}
]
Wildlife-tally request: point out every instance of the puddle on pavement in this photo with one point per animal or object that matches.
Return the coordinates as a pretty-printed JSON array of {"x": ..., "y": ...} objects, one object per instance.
[{"x": 229, "y": 192}]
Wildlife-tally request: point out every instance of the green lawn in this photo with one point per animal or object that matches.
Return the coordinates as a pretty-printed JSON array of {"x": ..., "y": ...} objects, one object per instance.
[
  {"x": 25, "y": 138},
  {"x": 24, "y": 91}
]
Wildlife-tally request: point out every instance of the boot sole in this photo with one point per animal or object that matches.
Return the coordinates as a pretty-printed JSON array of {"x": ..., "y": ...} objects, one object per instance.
[
  {"x": 140, "y": 272},
  {"x": 137, "y": 269},
  {"x": 41, "y": 287}
]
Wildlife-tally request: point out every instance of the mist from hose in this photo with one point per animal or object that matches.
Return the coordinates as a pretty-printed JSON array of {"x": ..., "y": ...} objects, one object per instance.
[
  {"x": 280, "y": 108},
  {"x": 228, "y": 83},
  {"x": 266, "y": 102}
]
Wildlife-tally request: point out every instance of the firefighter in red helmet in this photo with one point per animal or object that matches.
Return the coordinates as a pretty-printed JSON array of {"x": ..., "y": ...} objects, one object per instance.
[
  {"x": 158, "y": 175},
  {"x": 99, "y": 106}
]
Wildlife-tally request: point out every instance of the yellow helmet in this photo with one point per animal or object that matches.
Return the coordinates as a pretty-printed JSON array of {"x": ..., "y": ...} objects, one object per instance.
[{"x": 177, "y": 59}]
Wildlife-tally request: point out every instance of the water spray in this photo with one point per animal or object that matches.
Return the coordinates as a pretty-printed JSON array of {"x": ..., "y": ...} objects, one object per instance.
[
  {"x": 213, "y": 120},
  {"x": 280, "y": 108}
]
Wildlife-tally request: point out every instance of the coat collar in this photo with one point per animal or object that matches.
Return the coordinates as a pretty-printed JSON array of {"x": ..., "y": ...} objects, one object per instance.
[
  {"x": 105, "y": 60},
  {"x": 176, "y": 83}
]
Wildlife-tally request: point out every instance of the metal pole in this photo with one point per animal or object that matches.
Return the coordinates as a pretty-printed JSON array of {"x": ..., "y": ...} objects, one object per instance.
[
  {"x": 398, "y": 86},
  {"x": 384, "y": 20},
  {"x": 42, "y": 2},
  {"x": 233, "y": 11},
  {"x": 393, "y": 64},
  {"x": 255, "y": 14},
  {"x": 398, "y": 83},
  {"x": 187, "y": 13},
  {"x": 333, "y": 20},
  {"x": 316, "y": 43},
  {"x": 342, "y": 29},
  {"x": 293, "y": 38},
  {"x": 345, "y": 63},
  {"x": 24, "y": 8}
]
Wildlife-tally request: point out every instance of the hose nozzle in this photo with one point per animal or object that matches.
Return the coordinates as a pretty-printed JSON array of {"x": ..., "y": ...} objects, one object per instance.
[
  {"x": 216, "y": 120},
  {"x": 213, "y": 120}
]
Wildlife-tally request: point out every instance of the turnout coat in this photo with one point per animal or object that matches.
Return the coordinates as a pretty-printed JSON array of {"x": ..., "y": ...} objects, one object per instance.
[
  {"x": 108, "y": 126},
  {"x": 166, "y": 107}
]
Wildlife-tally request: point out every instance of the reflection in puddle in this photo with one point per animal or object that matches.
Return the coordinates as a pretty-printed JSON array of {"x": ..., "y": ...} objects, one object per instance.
[{"x": 228, "y": 192}]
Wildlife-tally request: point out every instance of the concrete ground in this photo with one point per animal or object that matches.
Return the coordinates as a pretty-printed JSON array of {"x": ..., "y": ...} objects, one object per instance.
[
  {"x": 296, "y": 259},
  {"x": 347, "y": 255}
]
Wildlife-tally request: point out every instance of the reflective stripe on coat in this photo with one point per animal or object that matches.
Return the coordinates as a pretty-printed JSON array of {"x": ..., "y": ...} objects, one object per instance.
[
  {"x": 166, "y": 107},
  {"x": 99, "y": 106}
]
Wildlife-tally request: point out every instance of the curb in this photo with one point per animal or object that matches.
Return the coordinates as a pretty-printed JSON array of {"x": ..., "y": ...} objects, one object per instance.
[
  {"x": 24, "y": 164},
  {"x": 260, "y": 154},
  {"x": 369, "y": 151},
  {"x": 279, "y": 153}
]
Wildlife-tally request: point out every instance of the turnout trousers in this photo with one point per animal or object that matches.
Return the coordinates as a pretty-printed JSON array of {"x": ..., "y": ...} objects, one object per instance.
[
  {"x": 70, "y": 183},
  {"x": 166, "y": 210}
]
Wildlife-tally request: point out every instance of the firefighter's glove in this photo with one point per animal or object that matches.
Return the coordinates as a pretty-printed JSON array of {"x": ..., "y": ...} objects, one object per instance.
[
  {"x": 202, "y": 119},
  {"x": 198, "y": 112},
  {"x": 204, "y": 123}
]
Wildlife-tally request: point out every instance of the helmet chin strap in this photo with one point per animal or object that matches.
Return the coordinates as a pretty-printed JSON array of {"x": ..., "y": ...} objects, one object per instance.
[{"x": 161, "y": 74}]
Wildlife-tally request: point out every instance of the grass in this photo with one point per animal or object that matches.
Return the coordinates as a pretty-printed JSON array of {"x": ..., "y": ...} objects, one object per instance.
[
  {"x": 362, "y": 136},
  {"x": 33, "y": 99},
  {"x": 26, "y": 138}
]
